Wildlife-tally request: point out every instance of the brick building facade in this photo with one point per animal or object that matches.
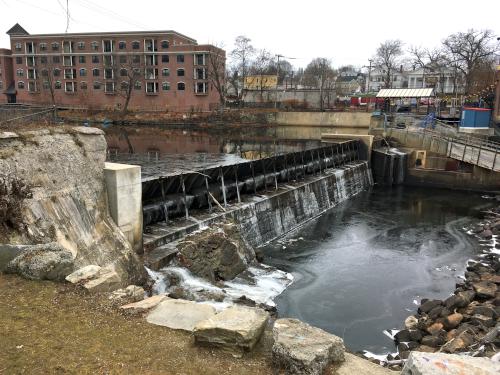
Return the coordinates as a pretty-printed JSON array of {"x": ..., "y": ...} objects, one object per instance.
[{"x": 164, "y": 70}]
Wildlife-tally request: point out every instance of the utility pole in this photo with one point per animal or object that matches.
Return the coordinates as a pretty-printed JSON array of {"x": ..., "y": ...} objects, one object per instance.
[
  {"x": 369, "y": 73},
  {"x": 278, "y": 77}
]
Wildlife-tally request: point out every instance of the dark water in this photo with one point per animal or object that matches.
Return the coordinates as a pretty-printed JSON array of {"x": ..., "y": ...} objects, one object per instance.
[{"x": 359, "y": 267}]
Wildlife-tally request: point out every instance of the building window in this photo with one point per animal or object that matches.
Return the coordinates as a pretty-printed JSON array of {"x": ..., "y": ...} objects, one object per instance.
[
  {"x": 57, "y": 72},
  {"x": 69, "y": 87},
  {"x": 32, "y": 86},
  {"x": 43, "y": 46},
  {"x": 97, "y": 85},
  {"x": 123, "y": 72},
  {"x": 109, "y": 87},
  {"x": 95, "y": 72},
  {"x": 165, "y": 72},
  {"x": 19, "y": 60},
  {"x": 200, "y": 59},
  {"x": 136, "y": 45},
  {"x": 181, "y": 86},
  {"x": 165, "y": 86},
  {"x": 19, "y": 72},
  {"x": 67, "y": 47},
  {"x": 68, "y": 60},
  {"x": 95, "y": 59},
  {"x": 83, "y": 85},
  {"x": 180, "y": 58},
  {"x": 136, "y": 59},
  {"x": 137, "y": 85},
  {"x": 45, "y": 73},
  {"x": 164, "y": 44},
  {"x": 200, "y": 73},
  {"x": 94, "y": 46},
  {"x": 180, "y": 73},
  {"x": 19, "y": 47},
  {"x": 81, "y": 45},
  {"x": 31, "y": 74},
  {"x": 124, "y": 86},
  {"x": 107, "y": 60},
  {"x": 46, "y": 85},
  {"x": 123, "y": 59},
  {"x": 55, "y": 46},
  {"x": 201, "y": 88},
  {"x": 82, "y": 59},
  {"x": 30, "y": 60},
  {"x": 122, "y": 45},
  {"x": 165, "y": 58},
  {"x": 56, "y": 59},
  {"x": 57, "y": 85},
  {"x": 107, "y": 46},
  {"x": 150, "y": 45},
  {"x": 30, "y": 48},
  {"x": 108, "y": 73},
  {"x": 43, "y": 59},
  {"x": 151, "y": 87},
  {"x": 20, "y": 85},
  {"x": 69, "y": 73},
  {"x": 83, "y": 72}
]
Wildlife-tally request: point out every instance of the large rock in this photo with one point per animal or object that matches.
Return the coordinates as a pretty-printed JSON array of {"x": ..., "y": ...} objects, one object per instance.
[
  {"x": 485, "y": 289},
  {"x": 302, "y": 349},
  {"x": 215, "y": 253},
  {"x": 43, "y": 262},
  {"x": 448, "y": 364},
  {"x": 107, "y": 281},
  {"x": 236, "y": 328},
  {"x": 180, "y": 314},
  {"x": 459, "y": 343},
  {"x": 144, "y": 305},
  {"x": 84, "y": 273}
]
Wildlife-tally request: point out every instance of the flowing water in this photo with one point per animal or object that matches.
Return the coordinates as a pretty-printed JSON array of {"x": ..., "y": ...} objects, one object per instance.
[{"x": 362, "y": 267}]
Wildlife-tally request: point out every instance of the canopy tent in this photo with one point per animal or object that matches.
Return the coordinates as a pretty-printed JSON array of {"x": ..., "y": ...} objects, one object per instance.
[{"x": 406, "y": 93}]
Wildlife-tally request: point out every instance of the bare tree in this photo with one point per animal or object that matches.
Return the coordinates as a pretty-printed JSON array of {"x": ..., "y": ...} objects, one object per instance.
[
  {"x": 388, "y": 59},
  {"x": 470, "y": 50},
  {"x": 128, "y": 71},
  {"x": 216, "y": 72},
  {"x": 242, "y": 55},
  {"x": 431, "y": 61},
  {"x": 319, "y": 73},
  {"x": 48, "y": 74},
  {"x": 262, "y": 66}
]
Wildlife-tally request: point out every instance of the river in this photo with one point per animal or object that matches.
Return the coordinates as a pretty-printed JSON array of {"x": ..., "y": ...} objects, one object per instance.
[{"x": 360, "y": 268}]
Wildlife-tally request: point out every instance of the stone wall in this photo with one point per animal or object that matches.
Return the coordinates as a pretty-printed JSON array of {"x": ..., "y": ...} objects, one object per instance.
[{"x": 63, "y": 168}]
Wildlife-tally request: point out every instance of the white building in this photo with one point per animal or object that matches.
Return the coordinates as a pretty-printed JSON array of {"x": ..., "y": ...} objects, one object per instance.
[{"x": 399, "y": 80}]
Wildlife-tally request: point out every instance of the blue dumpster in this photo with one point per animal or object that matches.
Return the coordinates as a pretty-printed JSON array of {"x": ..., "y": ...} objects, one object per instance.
[{"x": 475, "y": 118}]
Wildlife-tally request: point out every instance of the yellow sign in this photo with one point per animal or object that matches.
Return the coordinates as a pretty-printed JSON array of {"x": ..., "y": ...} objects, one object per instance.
[{"x": 260, "y": 82}]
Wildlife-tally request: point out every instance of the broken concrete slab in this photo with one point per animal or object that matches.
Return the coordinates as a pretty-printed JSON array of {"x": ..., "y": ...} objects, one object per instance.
[
  {"x": 144, "y": 305},
  {"x": 304, "y": 349},
  {"x": 84, "y": 273},
  {"x": 439, "y": 363},
  {"x": 107, "y": 281},
  {"x": 180, "y": 314},
  {"x": 237, "y": 327}
]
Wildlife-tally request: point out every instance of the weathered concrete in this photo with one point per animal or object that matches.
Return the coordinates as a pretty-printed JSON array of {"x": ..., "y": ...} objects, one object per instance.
[
  {"x": 236, "y": 327},
  {"x": 354, "y": 365},
  {"x": 366, "y": 141},
  {"x": 448, "y": 364},
  {"x": 303, "y": 349},
  {"x": 180, "y": 314},
  {"x": 360, "y": 120},
  {"x": 123, "y": 184}
]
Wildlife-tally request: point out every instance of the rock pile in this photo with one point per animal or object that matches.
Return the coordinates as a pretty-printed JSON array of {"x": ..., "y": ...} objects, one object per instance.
[{"x": 467, "y": 321}]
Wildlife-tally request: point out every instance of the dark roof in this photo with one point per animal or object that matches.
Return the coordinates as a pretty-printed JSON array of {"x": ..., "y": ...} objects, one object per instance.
[
  {"x": 17, "y": 30},
  {"x": 347, "y": 78}
]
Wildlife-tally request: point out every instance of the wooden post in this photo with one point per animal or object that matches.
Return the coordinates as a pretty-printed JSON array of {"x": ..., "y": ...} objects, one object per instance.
[
  {"x": 236, "y": 179},
  {"x": 221, "y": 174},
  {"x": 208, "y": 194},
  {"x": 185, "y": 197}
]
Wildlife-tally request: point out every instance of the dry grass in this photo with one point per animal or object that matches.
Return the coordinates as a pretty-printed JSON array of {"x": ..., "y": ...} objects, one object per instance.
[{"x": 49, "y": 328}]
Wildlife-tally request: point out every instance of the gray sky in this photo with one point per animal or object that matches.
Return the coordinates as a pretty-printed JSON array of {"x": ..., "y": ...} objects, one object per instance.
[{"x": 348, "y": 32}]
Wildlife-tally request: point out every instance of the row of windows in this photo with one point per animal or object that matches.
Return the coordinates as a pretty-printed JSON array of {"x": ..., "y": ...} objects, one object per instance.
[
  {"x": 108, "y": 73},
  {"x": 108, "y": 45},
  {"x": 136, "y": 59},
  {"x": 150, "y": 86}
]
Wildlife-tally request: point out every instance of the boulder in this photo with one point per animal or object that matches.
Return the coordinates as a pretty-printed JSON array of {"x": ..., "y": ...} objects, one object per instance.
[
  {"x": 453, "y": 320},
  {"x": 402, "y": 336},
  {"x": 411, "y": 322},
  {"x": 131, "y": 292},
  {"x": 180, "y": 292},
  {"x": 428, "y": 305},
  {"x": 482, "y": 321},
  {"x": 486, "y": 234},
  {"x": 303, "y": 349},
  {"x": 420, "y": 363},
  {"x": 84, "y": 273},
  {"x": 434, "y": 328},
  {"x": 180, "y": 314},
  {"x": 237, "y": 328},
  {"x": 459, "y": 343},
  {"x": 215, "y": 254},
  {"x": 107, "y": 281},
  {"x": 48, "y": 261},
  {"x": 144, "y": 305},
  {"x": 485, "y": 289},
  {"x": 432, "y": 341},
  {"x": 425, "y": 349}
]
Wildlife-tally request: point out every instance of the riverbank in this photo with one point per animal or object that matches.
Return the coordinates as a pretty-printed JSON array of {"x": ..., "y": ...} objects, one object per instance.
[
  {"x": 50, "y": 328},
  {"x": 469, "y": 320}
]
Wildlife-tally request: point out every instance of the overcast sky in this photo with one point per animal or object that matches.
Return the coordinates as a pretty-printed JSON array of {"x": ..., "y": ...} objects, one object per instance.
[{"x": 348, "y": 32}]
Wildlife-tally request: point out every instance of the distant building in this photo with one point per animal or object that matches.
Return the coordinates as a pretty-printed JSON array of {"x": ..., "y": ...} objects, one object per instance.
[
  {"x": 6, "y": 76},
  {"x": 260, "y": 82},
  {"x": 399, "y": 80},
  {"x": 349, "y": 83},
  {"x": 91, "y": 69}
]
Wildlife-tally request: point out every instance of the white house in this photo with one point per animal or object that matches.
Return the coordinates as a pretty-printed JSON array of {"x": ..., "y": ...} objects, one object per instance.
[{"x": 443, "y": 80}]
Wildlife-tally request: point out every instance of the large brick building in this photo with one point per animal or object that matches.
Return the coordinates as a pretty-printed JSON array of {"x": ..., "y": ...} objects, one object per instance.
[{"x": 164, "y": 70}]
